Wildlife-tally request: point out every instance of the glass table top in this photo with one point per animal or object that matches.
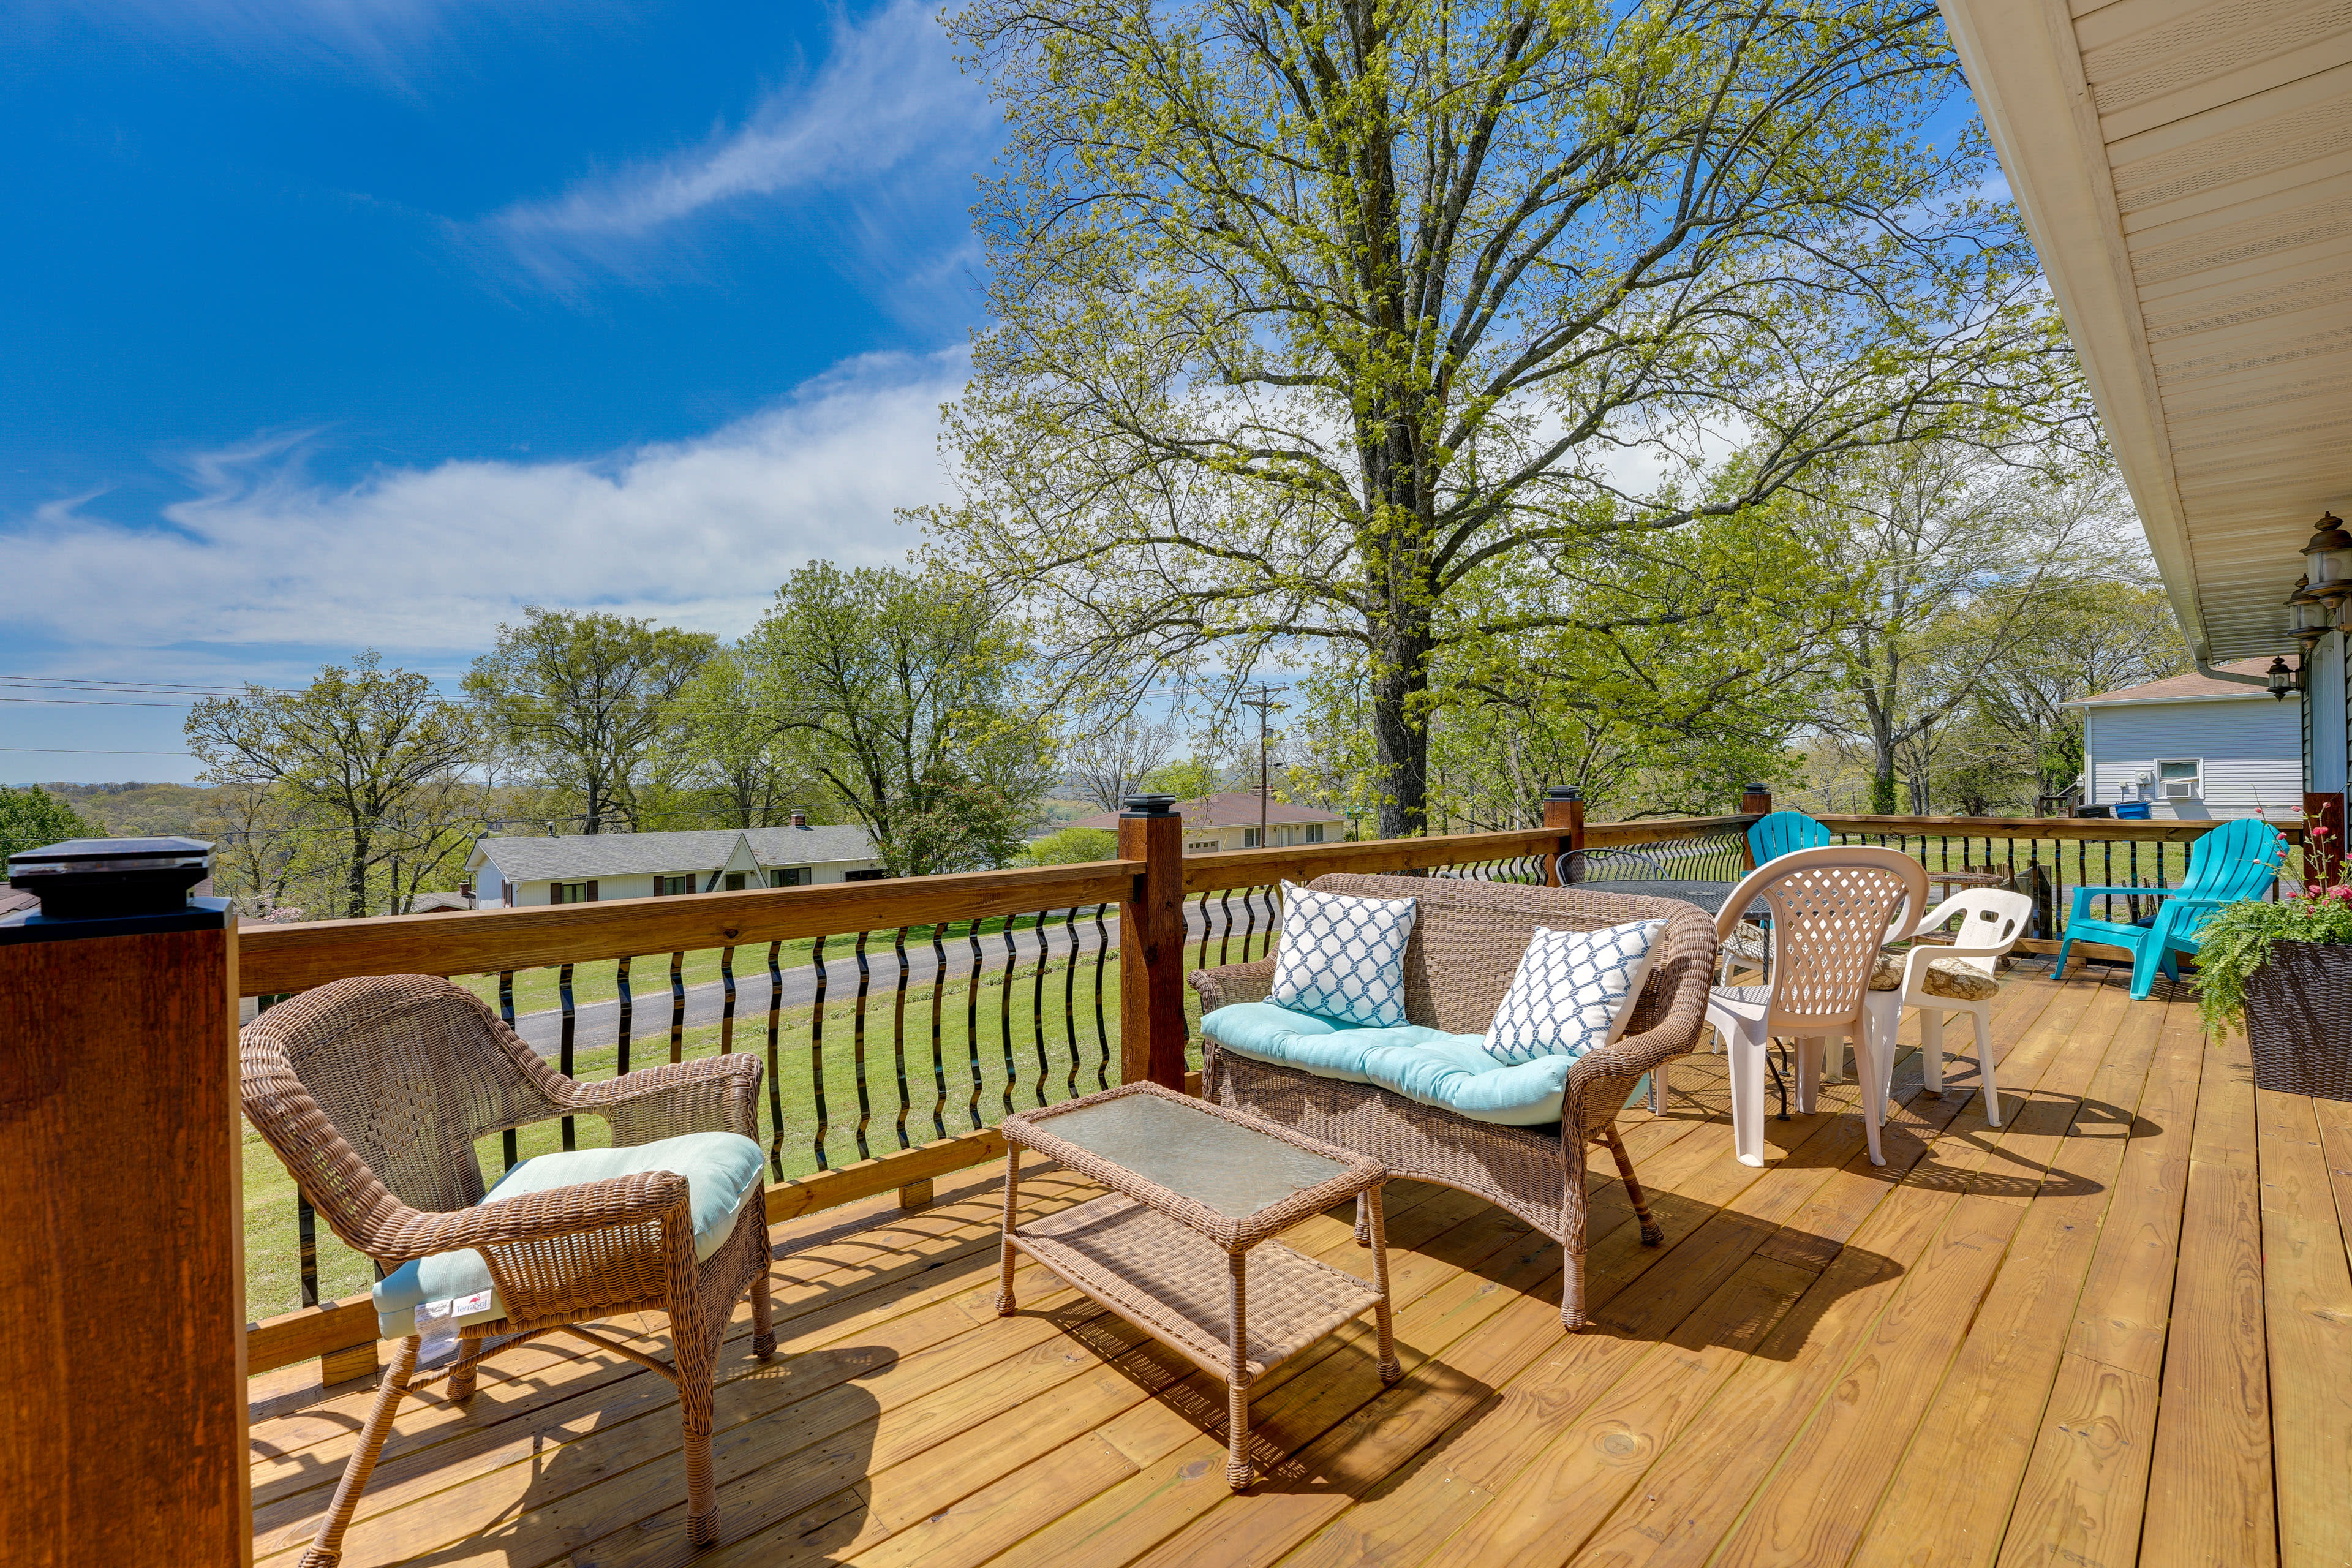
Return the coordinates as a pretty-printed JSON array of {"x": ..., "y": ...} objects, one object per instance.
[{"x": 1215, "y": 1162}]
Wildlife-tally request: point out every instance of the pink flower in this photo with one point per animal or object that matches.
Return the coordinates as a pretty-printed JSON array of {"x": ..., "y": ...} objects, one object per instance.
[
  {"x": 2320, "y": 830},
  {"x": 2313, "y": 889}
]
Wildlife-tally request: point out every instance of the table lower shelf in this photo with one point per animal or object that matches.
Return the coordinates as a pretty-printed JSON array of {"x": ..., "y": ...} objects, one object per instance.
[{"x": 1174, "y": 1284}]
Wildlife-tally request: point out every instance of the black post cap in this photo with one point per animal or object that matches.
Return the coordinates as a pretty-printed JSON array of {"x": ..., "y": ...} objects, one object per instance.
[
  {"x": 1563, "y": 792},
  {"x": 104, "y": 878},
  {"x": 1148, "y": 805},
  {"x": 1758, "y": 789}
]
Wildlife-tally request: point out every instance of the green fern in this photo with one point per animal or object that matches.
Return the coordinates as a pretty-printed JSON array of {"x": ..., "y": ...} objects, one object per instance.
[{"x": 2237, "y": 941}]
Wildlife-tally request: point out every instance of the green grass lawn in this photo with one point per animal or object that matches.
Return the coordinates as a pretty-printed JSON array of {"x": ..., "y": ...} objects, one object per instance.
[{"x": 971, "y": 1022}]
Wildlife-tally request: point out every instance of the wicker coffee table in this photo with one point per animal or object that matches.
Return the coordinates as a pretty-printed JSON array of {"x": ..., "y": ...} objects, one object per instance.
[{"x": 1179, "y": 1246}]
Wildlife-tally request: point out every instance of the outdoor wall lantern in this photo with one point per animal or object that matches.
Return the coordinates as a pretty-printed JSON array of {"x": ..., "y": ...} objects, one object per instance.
[
  {"x": 2308, "y": 616},
  {"x": 2284, "y": 682},
  {"x": 2328, "y": 559}
]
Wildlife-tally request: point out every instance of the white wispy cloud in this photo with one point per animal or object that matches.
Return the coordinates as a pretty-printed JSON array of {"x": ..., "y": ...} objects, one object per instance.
[
  {"x": 886, "y": 101},
  {"x": 426, "y": 562}
]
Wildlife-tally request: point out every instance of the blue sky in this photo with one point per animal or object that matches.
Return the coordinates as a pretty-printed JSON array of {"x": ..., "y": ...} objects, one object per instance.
[{"x": 341, "y": 322}]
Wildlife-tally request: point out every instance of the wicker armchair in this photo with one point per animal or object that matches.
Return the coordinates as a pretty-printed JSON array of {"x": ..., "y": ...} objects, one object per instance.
[
  {"x": 373, "y": 1091},
  {"x": 1466, "y": 943}
]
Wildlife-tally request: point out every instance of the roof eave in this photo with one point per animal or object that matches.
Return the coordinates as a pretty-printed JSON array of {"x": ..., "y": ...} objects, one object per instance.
[{"x": 2038, "y": 111}]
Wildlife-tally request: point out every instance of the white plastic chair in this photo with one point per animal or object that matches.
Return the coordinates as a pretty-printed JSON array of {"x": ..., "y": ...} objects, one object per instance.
[
  {"x": 1830, "y": 910},
  {"x": 1991, "y": 919}
]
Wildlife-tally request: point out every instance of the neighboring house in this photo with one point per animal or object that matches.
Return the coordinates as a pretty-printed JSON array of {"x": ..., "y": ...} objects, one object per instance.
[
  {"x": 590, "y": 867},
  {"x": 1228, "y": 820},
  {"x": 2192, "y": 746}
]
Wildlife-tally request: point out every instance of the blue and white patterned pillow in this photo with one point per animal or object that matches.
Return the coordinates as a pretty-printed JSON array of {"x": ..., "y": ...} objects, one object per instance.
[
  {"x": 1342, "y": 958},
  {"x": 1574, "y": 990}
]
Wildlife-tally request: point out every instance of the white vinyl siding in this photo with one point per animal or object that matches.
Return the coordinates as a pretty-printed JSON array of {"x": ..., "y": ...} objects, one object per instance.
[{"x": 2248, "y": 752}]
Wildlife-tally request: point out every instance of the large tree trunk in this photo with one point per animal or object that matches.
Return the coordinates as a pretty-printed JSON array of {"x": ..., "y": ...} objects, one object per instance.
[{"x": 356, "y": 873}]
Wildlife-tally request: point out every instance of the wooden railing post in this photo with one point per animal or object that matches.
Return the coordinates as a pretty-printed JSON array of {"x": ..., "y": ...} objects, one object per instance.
[
  {"x": 1151, "y": 944},
  {"x": 122, "y": 1277},
  {"x": 1755, "y": 801},
  {"x": 1564, "y": 811}
]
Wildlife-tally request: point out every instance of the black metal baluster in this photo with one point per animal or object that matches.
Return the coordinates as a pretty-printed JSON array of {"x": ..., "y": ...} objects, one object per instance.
[
  {"x": 1004, "y": 1017},
  {"x": 678, "y": 1006},
  {"x": 938, "y": 1053},
  {"x": 775, "y": 1060},
  {"x": 1037, "y": 1006},
  {"x": 1249, "y": 922},
  {"x": 628, "y": 1010},
  {"x": 971, "y": 1017},
  {"x": 566, "y": 1040},
  {"x": 505, "y": 1011},
  {"x": 1102, "y": 1030},
  {"x": 306, "y": 1219},
  {"x": 1224, "y": 938},
  {"x": 857, "y": 1048},
  {"x": 816, "y": 1052},
  {"x": 899, "y": 1035},
  {"x": 1070, "y": 998},
  {"x": 727, "y": 1000},
  {"x": 1203, "y": 963}
]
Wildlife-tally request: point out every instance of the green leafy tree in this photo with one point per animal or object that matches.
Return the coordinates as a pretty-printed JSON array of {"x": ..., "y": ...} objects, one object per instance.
[
  {"x": 1310, "y": 314},
  {"x": 727, "y": 748},
  {"x": 578, "y": 700},
  {"x": 1186, "y": 778},
  {"x": 1961, "y": 564},
  {"x": 900, "y": 693},
  {"x": 361, "y": 747},
  {"x": 1070, "y": 847},
  {"x": 31, "y": 816},
  {"x": 275, "y": 853}
]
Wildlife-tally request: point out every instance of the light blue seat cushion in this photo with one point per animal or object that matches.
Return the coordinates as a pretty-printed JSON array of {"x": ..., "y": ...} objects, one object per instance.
[
  {"x": 1452, "y": 1071},
  {"x": 719, "y": 1168}
]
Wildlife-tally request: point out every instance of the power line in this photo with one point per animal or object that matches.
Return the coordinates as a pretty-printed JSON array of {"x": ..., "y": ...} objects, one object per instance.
[
  {"x": 92, "y": 702},
  {"x": 69, "y": 682},
  {"x": 94, "y": 752}
]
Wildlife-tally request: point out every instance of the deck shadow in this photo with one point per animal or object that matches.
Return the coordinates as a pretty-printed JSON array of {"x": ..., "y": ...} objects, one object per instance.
[{"x": 819, "y": 1486}]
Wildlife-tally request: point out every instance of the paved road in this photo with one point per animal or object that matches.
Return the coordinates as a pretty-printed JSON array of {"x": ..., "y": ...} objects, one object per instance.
[{"x": 598, "y": 1023}]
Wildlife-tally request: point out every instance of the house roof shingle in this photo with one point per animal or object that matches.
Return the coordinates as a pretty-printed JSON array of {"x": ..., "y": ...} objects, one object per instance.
[
  {"x": 2183, "y": 687},
  {"x": 581, "y": 856}
]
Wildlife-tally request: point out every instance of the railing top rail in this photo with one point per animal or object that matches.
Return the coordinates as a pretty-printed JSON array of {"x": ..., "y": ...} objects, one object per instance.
[
  {"x": 2171, "y": 831},
  {"x": 1257, "y": 868},
  {"x": 284, "y": 958}
]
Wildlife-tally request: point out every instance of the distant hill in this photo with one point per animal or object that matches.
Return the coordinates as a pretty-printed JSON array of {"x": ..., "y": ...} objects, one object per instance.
[{"x": 139, "y": 810}]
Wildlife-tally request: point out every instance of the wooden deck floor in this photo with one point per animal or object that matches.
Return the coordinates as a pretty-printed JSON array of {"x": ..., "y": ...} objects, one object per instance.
[{"x": 2117, "y": 1329}]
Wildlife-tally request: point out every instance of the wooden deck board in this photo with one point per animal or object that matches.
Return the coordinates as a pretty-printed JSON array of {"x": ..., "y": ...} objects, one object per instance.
[{"x": 2066, "y": 1341}]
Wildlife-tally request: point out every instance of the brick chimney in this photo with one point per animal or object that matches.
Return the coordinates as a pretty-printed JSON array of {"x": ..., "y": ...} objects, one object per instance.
[{"x": 800, "y": 819}]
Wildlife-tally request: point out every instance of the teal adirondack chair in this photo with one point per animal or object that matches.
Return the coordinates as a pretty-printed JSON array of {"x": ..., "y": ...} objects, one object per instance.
[
  {"x": 1785, "y": 832},
  {"x": 2236, "y": 862}
]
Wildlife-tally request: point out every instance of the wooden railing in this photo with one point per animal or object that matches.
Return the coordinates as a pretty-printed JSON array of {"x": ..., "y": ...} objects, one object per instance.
[
  {"x": 901, "y": 1020},
  {"x": 931, "y": 1006}
]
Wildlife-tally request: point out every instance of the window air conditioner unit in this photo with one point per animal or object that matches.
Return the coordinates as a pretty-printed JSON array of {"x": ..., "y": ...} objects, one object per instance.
[{"x": 2180, "y": 789}]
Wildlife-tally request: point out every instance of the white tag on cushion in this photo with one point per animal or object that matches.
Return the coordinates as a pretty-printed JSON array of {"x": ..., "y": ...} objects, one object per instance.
[
  {"x": 1573, "y": 990},
  {"x": 1342, "y": 958}
]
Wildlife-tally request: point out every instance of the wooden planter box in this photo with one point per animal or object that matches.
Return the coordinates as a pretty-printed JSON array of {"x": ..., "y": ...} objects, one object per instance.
[{"x": 2299, "y": 1019}]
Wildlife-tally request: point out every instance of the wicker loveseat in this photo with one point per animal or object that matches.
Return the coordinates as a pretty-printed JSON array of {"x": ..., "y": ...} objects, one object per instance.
[{"x": 1466, "y": 943}]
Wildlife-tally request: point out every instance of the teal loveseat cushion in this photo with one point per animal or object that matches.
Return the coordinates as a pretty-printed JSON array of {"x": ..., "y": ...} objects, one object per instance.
[
  {"x": 720, "y": 1169},
  {"x": 1452, "y": 1071}
]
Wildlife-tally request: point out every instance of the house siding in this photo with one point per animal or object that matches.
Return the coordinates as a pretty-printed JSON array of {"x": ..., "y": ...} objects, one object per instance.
[
  {"x": 626, "y": 887},
  {"x": 2252, "y": 752}
]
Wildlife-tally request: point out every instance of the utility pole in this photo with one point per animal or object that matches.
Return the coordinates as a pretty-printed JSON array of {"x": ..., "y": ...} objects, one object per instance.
[{"x": 1261, "y": 696}]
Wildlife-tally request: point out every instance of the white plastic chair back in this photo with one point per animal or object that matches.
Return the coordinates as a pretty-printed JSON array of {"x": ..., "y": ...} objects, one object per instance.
[{"x": 1831, "y": 910}]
